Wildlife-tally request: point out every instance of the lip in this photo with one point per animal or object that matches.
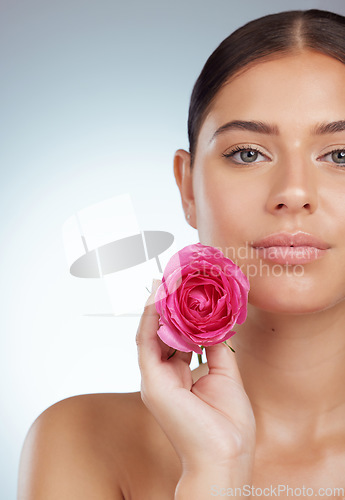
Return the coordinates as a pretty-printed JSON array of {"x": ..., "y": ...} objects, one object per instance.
[
  {"x": 291, "y": 248},
  {"x": 298, "y": 239}
]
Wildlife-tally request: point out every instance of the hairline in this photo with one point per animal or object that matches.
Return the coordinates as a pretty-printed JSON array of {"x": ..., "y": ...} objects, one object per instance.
[{"x": 297, "y": 49}]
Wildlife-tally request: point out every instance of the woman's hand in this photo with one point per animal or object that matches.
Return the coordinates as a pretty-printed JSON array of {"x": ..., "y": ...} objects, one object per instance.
[{"x": 210, "y": 423}]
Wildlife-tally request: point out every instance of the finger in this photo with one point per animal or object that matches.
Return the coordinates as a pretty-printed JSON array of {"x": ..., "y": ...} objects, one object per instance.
[
  {"x": 186, "y": 357},
  {"x": 221, "y": 360}
]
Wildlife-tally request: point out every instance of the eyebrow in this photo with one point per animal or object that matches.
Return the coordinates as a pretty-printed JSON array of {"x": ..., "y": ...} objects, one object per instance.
[
  {"x": 329, "y": 128},
  {"x": 272, "y": 129}
]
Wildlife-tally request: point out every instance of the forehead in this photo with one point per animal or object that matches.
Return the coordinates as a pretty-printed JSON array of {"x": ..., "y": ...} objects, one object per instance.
[{"x": 293, "y": 91}]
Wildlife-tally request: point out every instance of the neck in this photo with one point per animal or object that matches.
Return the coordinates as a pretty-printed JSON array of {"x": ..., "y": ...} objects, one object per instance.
[{"x": 293, "y": 370}]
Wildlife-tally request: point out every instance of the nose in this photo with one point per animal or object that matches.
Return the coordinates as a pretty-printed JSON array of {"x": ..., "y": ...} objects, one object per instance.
[{"x": 293, "y": 187}]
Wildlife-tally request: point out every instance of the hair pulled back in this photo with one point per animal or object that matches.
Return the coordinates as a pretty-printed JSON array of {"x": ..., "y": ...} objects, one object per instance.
[{"x": 282, "y": 33}]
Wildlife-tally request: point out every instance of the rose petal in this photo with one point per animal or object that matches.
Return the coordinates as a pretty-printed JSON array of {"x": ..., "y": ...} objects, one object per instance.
[
  {"x": 210, "y": 342},
  {"x": 203, "y": 295},
  {"x": 174, "y": 339}
]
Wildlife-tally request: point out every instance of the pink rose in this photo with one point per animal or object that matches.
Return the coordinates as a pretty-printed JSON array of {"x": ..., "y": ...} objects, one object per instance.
[{"x": 201, "y": 297}]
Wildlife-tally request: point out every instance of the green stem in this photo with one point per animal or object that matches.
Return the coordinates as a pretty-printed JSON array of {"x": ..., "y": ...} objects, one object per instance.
[
  {"x": 171, "y": 355},
  {"x": 200, "y": 359},
  {"x": 229, "y": 346}
]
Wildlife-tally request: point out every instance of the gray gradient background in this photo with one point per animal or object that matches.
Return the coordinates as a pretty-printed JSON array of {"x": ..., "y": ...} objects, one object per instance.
[{"x": 94, "y": 101}]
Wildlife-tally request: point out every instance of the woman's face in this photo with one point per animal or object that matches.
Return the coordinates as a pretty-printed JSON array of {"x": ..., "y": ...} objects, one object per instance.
[{"x": 286, "y": 180}]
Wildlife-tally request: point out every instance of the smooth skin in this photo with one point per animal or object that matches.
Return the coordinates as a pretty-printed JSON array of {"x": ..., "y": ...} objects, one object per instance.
[{"x": 274, "y": 412}]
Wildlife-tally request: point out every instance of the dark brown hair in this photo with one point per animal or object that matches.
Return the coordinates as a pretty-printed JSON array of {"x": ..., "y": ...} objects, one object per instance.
[{"x": 282, "y": 33}]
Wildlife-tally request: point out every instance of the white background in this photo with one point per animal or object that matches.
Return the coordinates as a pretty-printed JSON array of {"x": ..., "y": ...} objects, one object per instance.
[{"x": 94, "y": 102}]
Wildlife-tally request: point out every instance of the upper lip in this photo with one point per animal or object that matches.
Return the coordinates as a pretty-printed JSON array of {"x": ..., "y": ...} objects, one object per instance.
[{"x": 297, "y": 239}]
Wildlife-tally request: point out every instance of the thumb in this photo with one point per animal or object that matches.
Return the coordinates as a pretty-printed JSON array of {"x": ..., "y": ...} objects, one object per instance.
[
  {"x": 221, "y": 360},
  {"x": 149, "y": 351}
]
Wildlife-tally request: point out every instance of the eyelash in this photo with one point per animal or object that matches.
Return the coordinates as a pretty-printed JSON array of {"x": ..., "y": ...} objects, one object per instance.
[{"x": 237, "y": 149}]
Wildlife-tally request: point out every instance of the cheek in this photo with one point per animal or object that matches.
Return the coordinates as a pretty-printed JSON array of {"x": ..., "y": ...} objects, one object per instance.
[{"x": 225, "y": 204}]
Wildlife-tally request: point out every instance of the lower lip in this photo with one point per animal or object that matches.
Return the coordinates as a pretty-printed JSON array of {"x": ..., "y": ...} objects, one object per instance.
[{"x": 290, "y": 255}]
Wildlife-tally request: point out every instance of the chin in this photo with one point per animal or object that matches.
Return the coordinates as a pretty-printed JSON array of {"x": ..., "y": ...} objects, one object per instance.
[
  {"x": 289, "y": 302},
  {"x": 285, "y": 308}
]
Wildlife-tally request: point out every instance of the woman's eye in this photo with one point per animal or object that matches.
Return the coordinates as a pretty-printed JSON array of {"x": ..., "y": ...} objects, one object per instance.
[
  {"x": 337, "y": 156},
  {"x": 244, "y": 155}
]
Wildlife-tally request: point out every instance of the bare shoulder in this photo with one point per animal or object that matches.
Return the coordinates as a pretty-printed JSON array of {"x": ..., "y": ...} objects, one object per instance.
[
  {"x": 85, "y": 447},
  {"x": 59, "y": 458},
  {"x": 105, "y": 446}
]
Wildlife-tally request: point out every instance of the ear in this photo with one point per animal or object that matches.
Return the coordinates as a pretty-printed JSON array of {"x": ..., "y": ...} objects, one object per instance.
[{"x": 184, "y": 180}]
